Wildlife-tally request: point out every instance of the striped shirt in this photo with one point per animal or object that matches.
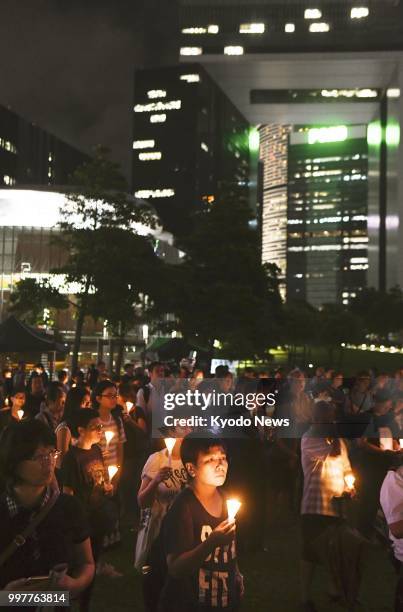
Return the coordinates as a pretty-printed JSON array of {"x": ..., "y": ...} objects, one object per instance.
[{"x": 323, "y": 475}]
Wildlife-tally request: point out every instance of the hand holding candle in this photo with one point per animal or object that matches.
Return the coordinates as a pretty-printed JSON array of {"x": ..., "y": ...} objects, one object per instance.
[
  {"x": 170, "y": 443},
  {"x": 20, "y": 414},
  {"x": 108, "y": 437},
  {"x": 233, "y": 506},
  {"x": 112, "y": 471},
  {"x": 129, "y": 406},
  {"x": 349, "y": 479}
]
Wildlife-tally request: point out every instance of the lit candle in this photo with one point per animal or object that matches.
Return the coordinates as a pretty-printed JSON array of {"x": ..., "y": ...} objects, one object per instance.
[
  {"x": 401, "y": 443},
  {"x": 349, "y": 480},
  {"x": 170, "y": 443},
  {"x": 108, "y": 437},
  {"x": 112, "y": 471},
  {"x": 233, "y": 506},
  {"x": 129, "y": 406},
  {"x": 6, "y": 401},
  {"x": 20, "y": 414}
]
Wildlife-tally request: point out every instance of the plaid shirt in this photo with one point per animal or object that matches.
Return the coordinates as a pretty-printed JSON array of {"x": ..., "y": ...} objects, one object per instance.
[
  {"x": 323, "y": 475},
  {"x": 14, "y": 509}
]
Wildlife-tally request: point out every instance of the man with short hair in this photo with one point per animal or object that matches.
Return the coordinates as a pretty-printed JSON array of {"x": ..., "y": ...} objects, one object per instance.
[{"x": 150, "y": 396}]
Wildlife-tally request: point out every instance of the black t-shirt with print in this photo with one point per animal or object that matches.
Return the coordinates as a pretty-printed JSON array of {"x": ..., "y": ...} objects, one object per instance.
[
  {"x": 84, "y": 472},
  {"x": 52, "y": 542},
  {"x": 212, "y": 586}
]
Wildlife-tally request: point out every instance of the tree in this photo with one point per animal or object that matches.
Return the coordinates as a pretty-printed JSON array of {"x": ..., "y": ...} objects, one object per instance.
[
  {"x": 301, "y": 321},
  {"x": 337, "y": 325},
  {"x": 31, "y": 299},
  {"x": 381, "y": 312},
  {"x": 98, "y": 206},
  {"x": 222, "y": 292}
]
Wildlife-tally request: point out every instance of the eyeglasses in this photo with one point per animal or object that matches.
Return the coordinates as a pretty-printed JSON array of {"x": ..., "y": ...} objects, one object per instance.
[
  {"x": 98, "y": 427},
  {"x": 50, "y": 456},
  {"x": 112, "y": 396}
]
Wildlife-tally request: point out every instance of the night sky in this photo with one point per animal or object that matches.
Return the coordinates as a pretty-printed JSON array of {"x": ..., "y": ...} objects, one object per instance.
[{"x": 68, "y": 65}]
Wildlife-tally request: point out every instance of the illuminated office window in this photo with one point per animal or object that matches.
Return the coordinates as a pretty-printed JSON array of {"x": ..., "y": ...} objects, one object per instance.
[
  {"x": 319, "y": 27},
  {"x": 157, "y": 93},
  {"x": 359, "y": 12},
  {"x": 191, "y": 51},
  {"x": 190, "y": 78},
  {"x": 289, "y": 28},
  {"x": 252, "y": 28},
  {"x": 155, "y": 193},
  {"x": 158, "y": 118},
  {"x": 153, "y": 155},
  {"x": 312, "y": 13},
  {"x": 143, "y": 144},
  {"x": 233, "y": 50}
]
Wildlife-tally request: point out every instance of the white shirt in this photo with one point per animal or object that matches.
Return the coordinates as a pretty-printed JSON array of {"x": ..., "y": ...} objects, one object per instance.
[
  {"x": 168, "y": 489},
  {"x": 392, "y": 506}
]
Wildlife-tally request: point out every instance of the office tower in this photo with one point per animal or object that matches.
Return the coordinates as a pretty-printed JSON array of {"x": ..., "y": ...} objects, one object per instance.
[
  {"x": 30, "y": 155},
  {"x": 190, "y": 144}
]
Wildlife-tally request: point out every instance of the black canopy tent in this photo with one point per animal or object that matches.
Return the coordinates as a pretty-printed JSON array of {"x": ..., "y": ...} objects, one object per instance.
[{"x": 18, "y": 337}]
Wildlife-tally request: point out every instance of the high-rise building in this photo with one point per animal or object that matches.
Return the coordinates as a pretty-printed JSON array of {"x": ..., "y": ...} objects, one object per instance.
[
  {"x": 30, "y": 155},
  {"x": 190, "y": 144},
  {"x": 315, "y": 210},
  {"x": 274, "y": 159},
  {"x": 331, "y": 62}
]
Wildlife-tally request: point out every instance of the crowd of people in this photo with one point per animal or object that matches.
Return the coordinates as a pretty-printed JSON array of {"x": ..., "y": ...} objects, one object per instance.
[{"x": 78, "y": 453}]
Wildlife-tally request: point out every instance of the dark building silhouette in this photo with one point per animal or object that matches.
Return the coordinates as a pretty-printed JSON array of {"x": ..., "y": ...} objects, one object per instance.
[
  {"x": 30, "y": 155},
  {"x": 190, "y": 144}
]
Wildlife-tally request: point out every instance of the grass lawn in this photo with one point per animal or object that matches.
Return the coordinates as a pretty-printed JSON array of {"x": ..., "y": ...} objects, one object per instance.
[{"x": 271, "y": 579}]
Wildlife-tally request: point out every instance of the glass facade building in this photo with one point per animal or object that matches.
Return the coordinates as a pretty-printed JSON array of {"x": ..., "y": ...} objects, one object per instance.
[
  {"x": 30, "y": 155},
  {"x": 190, "y": 144},
  {"x": 327, "y": 215}
]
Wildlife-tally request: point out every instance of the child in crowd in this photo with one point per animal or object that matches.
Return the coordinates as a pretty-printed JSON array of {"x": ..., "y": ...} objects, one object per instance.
[{"x": 199, "y": 540}]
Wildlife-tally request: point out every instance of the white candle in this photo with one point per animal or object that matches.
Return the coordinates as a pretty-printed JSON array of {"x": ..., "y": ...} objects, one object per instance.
[
  {"x": 129, "y": 406},
  {"x": 401, "y": 442},
  {"x": 108, "y": 437},
  {"x": 20, "y": 414},
  {"x": 349, "y": 480},
  {"x": 112, "y": 470},
  {"x": 170, "y": 443},
  {"x": 6, "y": 401},
  {"x": 233, "y": 506}
]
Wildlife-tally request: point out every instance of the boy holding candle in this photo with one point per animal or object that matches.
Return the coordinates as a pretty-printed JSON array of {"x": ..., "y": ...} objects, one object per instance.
[{"x": 199, "y": 539}]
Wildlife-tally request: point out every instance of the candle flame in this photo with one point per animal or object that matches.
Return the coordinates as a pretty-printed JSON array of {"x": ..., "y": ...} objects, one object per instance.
[
  {"x": 401, "y": 442},
  {"x": 350, "y": 480},
  {"x": 170, "y": 443},
  {"x": 233, "y": 506},
  {"x": 129, "y": 406},
  {"x": 108, "y": 436},
  {"x": 20, "y": 414},
  {"x": 112, "y": 470}
]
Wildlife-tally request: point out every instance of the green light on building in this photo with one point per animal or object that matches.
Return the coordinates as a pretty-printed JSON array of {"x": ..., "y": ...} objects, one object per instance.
[
  {"x": 337, "y": 133},
  {"x": 254, "y": 140},
  {"x": 393, "y": 135},
  {"x": 374, "y": 133}
]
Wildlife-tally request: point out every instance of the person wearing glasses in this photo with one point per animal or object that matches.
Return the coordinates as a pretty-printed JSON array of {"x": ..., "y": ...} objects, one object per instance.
[
  {"x": 84, "y": 475},
  {"x": 55, "y": 527},
  {"x": 112, "y": 439}
]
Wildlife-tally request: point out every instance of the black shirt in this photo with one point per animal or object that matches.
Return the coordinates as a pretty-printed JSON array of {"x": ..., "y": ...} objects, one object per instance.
[
  {"x": 213, "y": 585},
  {"x": 51, "y": 543},
  {"x": 84, "y": 472}
]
